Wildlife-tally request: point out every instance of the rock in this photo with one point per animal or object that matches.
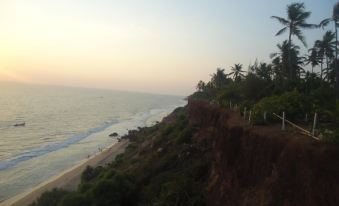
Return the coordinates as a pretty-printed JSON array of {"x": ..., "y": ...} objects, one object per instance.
[
  {"x": 20, "y": 124},
  {"x": 114, "y": 134}
]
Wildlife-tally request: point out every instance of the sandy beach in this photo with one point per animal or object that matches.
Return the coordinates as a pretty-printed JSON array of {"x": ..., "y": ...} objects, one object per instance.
[{"x": 68, "y": 179}]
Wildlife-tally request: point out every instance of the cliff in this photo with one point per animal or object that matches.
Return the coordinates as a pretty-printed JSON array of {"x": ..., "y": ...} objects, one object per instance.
[
  {"x": 205, "y": 155},
  {"x": 262, "y": 165}
]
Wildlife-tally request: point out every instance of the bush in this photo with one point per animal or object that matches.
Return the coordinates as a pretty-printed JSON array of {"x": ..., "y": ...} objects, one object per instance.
[
  {"x": 75, "y": 199},
  {"x": 120, "y": 190},
  {"x": 168, "y": 129},
  {"x": 331, "y": 136},
  {"x": 50, "y": 198},
  {"x": 292, "y": 103},
  {"x": 84, "y": 187},
  {"x": 181, "y": 191},
  {"x": 185, "y": 135},
  {"x": 90, "y": 173},
  {"x": 118, "y": 160}
]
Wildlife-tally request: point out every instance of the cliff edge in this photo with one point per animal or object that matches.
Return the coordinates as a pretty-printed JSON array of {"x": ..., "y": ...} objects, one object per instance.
[{"x": 261, "y": 165}]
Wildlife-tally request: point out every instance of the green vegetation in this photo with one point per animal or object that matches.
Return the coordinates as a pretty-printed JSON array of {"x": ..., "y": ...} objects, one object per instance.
[
  {"x": 163, "y": 165},
  {"x": 289, "y": 82}
]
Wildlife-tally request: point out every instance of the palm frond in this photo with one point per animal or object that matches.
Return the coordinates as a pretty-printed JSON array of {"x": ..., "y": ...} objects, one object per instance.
[
  {"x": 303, "y": 16},
  {"x": 299, "y": 35},
  {"x": 283, "y": 30},
  {"x": 335, "y": 12},
  {"x": 281, "y": 20},
  {"x": 308, "y": 26},
  {"x": 272, "y": 55},
  {"x": 325, "y": 22}
]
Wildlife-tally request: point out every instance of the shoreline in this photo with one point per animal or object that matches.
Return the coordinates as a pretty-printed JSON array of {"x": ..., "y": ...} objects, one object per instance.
[{"x": 68, "y": 179}]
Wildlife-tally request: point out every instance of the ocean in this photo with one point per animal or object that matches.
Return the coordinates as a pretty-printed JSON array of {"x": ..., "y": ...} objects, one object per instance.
[{"x": 45, "y": 130}]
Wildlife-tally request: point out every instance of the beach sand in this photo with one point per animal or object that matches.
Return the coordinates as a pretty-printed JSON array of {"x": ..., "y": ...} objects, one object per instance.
[{"x": 68, "y": 179}]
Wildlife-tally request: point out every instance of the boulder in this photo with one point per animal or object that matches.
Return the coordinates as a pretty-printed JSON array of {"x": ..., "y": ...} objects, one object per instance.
[{"x": 114, "y": 134}]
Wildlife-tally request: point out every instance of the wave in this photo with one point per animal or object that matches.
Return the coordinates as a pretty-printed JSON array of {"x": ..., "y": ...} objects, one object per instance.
[
  {"x": 52, "y": 147},
  {"x": 139, "y": 120}
]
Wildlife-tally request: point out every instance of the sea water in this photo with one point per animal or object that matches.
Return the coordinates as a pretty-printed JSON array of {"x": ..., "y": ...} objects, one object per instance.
[{"x": 64, "y": 125}]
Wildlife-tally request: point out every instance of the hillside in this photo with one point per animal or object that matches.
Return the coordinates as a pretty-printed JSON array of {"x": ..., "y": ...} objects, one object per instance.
[{"x": 206, "y": 155}]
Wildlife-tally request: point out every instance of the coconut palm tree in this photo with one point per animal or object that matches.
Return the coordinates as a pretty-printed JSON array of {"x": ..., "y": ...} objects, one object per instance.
[
  {"x": 296, "y": 20},
  {"x": 285, "y": 53},
  {"x": 264, "y": 71},
  {"x": 219, "y": 79},
  {"x": 335, "y": 20},
  {"x": 277, "y": 70},
  {"x": 201, "y": 86},
  {"x": 312, "y": 58},
  {"x": 326, "y": 48},
  {"x": 237, "y": 72}
]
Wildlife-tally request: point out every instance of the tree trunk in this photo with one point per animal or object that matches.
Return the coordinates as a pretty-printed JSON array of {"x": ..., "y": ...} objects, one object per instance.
[
  {"x": 335, "y": 61},
  {"x": 289, "y": 56},
  {"x": 327, "y": 70},
  {"x": 321, "y": 70}
]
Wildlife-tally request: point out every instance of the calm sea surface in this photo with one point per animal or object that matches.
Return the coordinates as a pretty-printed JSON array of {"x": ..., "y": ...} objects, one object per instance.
[{"x": 63, "y": 126}]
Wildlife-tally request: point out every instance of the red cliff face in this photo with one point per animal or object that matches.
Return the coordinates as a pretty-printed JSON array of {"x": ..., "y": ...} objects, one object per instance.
[{"x": 262, "y": 165}]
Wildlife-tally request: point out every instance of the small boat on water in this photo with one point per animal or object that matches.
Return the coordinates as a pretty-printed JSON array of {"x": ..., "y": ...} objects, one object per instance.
[{"x": 20, "y": 124}]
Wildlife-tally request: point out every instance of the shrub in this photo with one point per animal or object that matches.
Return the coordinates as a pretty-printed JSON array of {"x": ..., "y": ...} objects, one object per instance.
[
  {"x": 90, "y": 173},
  {"x": 120, "y": 190},
  {"x": 50, "y": 198},
  {"x": 118, "y": 160},
  {"x": 292, "y": 103},
  {"x": 167, "y": 130},
  {"x": 75, "y": 199},
  {"x": 331, "y": 136},
  {"x": 84, "y": 187},
  {"x": 185, "y": 135},
  {"x": 181, "y": 191}
]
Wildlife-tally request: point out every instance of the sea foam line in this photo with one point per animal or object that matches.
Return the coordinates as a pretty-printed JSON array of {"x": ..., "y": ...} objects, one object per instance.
[{"x": 51, "y": 147}]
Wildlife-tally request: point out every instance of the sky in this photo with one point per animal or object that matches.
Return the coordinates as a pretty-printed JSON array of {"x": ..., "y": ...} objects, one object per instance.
[{"x": 155, "y": 46}]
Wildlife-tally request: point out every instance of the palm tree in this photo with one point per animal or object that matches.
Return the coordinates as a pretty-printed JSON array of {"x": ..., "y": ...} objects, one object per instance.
[
  {"x": 335, "y": 20},
  {"x": 201, "y": 86},
  {"x": 326, "y": 48},
  {"x": 237, "y": 72},
  {"x": 285, "y": 53},
  {"x": 296, "y": 20},
  {"x": 219, "y": 79},
  {"x": 312, "y": 58},
  {"x": 264, "y": 71},
  {"x": 277, "y": 70}
]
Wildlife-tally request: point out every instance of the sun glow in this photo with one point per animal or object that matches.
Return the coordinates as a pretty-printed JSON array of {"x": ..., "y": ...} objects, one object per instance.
[
  {"x": 7, "y": 75},
  {"x": 147, "y": 45}
]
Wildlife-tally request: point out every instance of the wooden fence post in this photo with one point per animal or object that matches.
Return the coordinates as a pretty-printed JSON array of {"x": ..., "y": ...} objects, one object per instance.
[
  {"x": 230, "y": 104},
  {"x": 283, "y": 121},
  {"x": 265, "y": 116},
  {"x": 245, "y": 112},
  {"x": 250, "y": 116},
  {"x": 314, "y": 123}
]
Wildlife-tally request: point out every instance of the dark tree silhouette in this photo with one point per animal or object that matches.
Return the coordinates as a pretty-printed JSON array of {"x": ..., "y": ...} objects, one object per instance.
[
  {"x": 285, "y": 53},
  {"x": 326, "y": 48},
  {"x": 219, "y": 79},
  {"x": 237, "y": 72},
  {"x": 296, "y": 20},
  {"x": 335, "y": 20},
  {"x": 312, "y": 58},
  {"x": 201, "y": 86}
]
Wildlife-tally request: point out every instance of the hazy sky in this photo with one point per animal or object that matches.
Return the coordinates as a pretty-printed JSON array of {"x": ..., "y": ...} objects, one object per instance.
[{"x": 158, "y": 46}]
